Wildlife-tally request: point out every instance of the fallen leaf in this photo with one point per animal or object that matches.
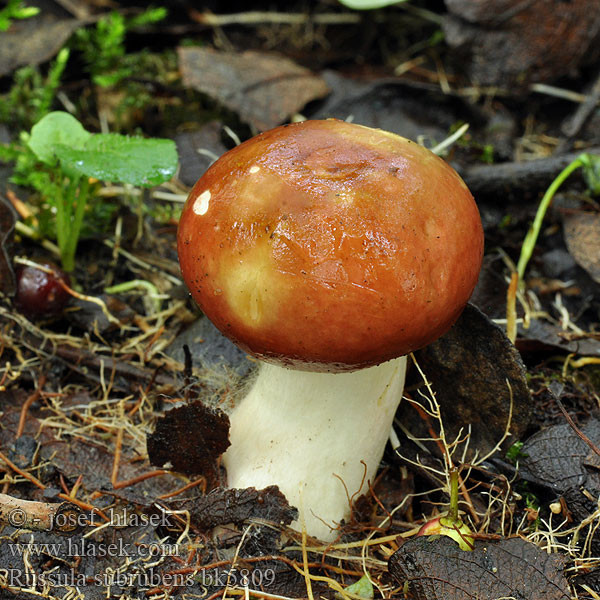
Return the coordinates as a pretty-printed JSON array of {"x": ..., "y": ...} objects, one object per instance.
[
  {"x": 541, "y": 333},
  {"x": 191, "y": 438},
  {"x": 34, "y": 41},
  {"x": 470, "y": 369},
  {"x": 411, "y": 112},
  {"x": 263, "y": 89},
  {"x": 559, "y": 457},
  {"x": 512, "y": 43},
  {"x": 541, "y": 336},
  {"x": 75, "y": 456},
  {"x": 197, "y": 151},
  {"x": 437, "y": 569},
  {"x": 562, "y": 460},
  {"x": 223, "y": 506},
  {"x": 582, "y": 236},
  {"x": 97, "y": 563},
  {"x": 210, "y": 349}
]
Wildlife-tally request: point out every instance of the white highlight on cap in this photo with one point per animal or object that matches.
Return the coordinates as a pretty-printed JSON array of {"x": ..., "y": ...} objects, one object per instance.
[
  {"x": 254, "y": 169},
  {"x": 201, "y": 203}
]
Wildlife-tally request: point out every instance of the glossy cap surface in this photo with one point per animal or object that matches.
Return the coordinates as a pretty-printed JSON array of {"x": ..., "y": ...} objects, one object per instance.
[{"x": 330, "y": 246}]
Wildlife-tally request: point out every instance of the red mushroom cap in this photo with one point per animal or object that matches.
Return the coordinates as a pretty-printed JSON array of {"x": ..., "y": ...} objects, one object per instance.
[{"x": 330, "y": 246}]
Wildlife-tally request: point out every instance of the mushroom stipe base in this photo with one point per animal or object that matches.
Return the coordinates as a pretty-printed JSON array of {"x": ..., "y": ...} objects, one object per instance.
[{"x": 297, "y": 430}]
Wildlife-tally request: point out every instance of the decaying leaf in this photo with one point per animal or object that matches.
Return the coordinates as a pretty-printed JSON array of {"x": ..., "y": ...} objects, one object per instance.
[
  {"x": 559, "y": 457},
  {"x": 512, "y": 43},
  {"x": 223, "y": 506},
  {"x": 210, "y": 349},
  {"x": 97, "y": 563},
  {"x": 474, "y": 370},
  {"x": 566, "y": 462},
  {"x": 7, "y": 224},
  {"x": 33, "y": 41},
  {"x": 542, "y": 334},
  {"x": 411, "y": 113},
  {"x": 197, "y": 151},
  {"x": 191, "y": 438},
  {"x": 263, "y": 89},
  {"x": 437, "y": 569},
  {"x": 74, "y": 456},
  {"x": 582, "y": 236}
]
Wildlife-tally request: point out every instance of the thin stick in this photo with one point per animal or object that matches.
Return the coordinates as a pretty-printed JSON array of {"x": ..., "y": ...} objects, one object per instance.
[
  {"x": 39, "y": 484},
  {"x": 576, "y": 429},
  {"x": 30, "y": 400},
  {"x": 511, "y": 307},
  {"x": 63, "y": 517},
  {"x": 201, "y": 481},
  {"x": 277, "y": 18},
  {"x": 114, "y": 478}
]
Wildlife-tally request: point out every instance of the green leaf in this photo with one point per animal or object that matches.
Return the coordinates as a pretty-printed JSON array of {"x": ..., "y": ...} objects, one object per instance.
[
  {"x": 53, "y": 129},
  {"x": 121, "y": 159},
  {"x": 368, "y": 4},
  {"x": 363, "y": 588}
]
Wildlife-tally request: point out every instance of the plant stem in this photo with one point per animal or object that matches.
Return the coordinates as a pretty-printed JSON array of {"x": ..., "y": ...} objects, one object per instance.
[
  {"x": 151, "y": 289},
  {"x": 534, "y": 231},
  {"x": 530, "y": 241},
  {"x": 453, "y": 508},
  {"x": 73, "y": 210},
  {"x": 61, "y": 225}
]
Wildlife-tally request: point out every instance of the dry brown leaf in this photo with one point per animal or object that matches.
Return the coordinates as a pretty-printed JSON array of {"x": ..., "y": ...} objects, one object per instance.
[
  {"x": 263, "y": 89},
  {"x": 470, "y": 369},
  {"x": 560, "y": 458},
  {"x": 582, "y": 236},
  {"x": 223, "y": 506},
  {"x": 437, "y": 569},
  {"x": 191, "y": 438},
  {"x": 512, "y": 43},
  {"x": 34, "y": 41}
]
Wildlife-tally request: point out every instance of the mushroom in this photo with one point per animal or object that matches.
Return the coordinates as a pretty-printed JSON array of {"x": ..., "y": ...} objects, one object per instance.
[{"x": 328, "y": 251}]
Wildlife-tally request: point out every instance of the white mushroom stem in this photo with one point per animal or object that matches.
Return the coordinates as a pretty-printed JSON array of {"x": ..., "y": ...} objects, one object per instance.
[{"x": 318, "y": 436}]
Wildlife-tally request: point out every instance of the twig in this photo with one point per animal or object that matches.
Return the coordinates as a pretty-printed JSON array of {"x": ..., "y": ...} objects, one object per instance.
[
  {"x": 517, "y": 177},
  {"x": 27, "y": 231},
  {"x": 30, "y": 400},
  {"x": 574, "y": 427},
  {"x": 576, "y": 121},
  {"x": 114, "y": 478},
  {"x": 556, "y": 92},
  {"x": 63, "y": 517},
  {"x": 201, "y": 481},
  {"x": 31, "y": 478},
  {"x": 511, "y": 307},
  {"x": 256, "y": 17}
]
